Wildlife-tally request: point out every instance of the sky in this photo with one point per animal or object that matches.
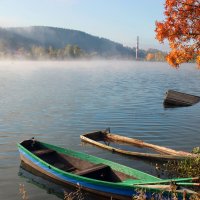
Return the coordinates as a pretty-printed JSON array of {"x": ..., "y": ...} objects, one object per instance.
[{"x": 118, "y": 20}]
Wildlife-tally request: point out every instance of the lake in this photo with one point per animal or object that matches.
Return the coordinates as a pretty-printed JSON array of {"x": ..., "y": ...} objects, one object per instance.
[{"x": 55, "y": 102}]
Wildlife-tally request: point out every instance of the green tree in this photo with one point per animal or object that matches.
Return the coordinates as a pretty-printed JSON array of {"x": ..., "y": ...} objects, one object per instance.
[
  {"x": 52, "y": 53},
  {"x": 38, "y": 52}
]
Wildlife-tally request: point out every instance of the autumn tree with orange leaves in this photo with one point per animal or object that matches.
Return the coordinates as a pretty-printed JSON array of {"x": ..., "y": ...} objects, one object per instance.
[{"x": 181, "y": 27}]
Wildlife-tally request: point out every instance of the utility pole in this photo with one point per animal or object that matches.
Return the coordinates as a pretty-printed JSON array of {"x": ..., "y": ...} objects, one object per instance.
[{"x": 137, "y": 49}]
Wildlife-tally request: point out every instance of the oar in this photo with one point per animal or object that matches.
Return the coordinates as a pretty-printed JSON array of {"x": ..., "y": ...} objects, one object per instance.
[
  {"x": 165, "y": 188},
  {"x": 188, "y": 184},
  {"x": 165, "y": 181}
]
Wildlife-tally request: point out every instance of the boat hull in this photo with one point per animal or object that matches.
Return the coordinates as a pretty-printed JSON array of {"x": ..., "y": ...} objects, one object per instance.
[
  {"x": 165, "y": 153},
  {"x": 179, "y": 99},
  {"x": 104, "y": 191},
  {"x": 125, "y": 188}
]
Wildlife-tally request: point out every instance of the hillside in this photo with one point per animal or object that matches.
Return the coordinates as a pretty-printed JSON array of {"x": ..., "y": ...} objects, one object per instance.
[{"x": 26, "y": 37}]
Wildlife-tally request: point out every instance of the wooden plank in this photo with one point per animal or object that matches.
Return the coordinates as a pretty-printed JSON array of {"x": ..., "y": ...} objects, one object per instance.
[
  {"x": 43, "y": 151},
  {"x": 175, "y": 98},
  {"x": 64, "y": 167},
  {"x": 92, "y": 169}
]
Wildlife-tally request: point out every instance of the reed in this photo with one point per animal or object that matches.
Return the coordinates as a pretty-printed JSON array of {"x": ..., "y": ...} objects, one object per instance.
[
  {"x": 183, "y": 168},
  {"x": 23, "y": 192},
  {"x": 141, "y": 195},
  {"x": 78, "y": 195}
]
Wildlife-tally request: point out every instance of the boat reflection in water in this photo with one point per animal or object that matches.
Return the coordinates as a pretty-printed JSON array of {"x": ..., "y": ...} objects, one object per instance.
[{"x": 43, "y": 182}]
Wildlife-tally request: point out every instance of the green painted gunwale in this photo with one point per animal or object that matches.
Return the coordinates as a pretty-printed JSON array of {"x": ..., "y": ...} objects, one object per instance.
[{"x": 118, "y": 167}]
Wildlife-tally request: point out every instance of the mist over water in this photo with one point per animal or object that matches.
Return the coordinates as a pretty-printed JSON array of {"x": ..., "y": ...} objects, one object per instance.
[{"x": 57, "y": 101}]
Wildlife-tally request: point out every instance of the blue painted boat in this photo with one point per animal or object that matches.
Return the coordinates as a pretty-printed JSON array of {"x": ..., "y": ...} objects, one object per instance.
[{"x": 96, "y": 175}]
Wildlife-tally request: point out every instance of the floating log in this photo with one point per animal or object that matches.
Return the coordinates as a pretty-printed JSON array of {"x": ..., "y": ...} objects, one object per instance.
[{"x": 176, "y": 99}]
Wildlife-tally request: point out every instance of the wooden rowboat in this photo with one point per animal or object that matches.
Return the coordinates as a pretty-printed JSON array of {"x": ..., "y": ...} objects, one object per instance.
[
  {"x": 96, "y": 175},
  {"x": 176, "y": 99},
  {"x": 104, "y": 139}
]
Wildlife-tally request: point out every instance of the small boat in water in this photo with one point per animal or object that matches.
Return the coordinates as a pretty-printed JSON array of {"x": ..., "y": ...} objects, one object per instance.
[
  {"x": 105, "y": 140},
  {"x": 179, "y": 99},
  {"x": 99, "y": 176}
]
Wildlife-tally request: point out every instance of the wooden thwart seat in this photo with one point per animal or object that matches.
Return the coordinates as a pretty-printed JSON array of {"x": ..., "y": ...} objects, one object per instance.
[
  {"x": 92, "y": 169},
  {"x": 43, "y": 151},
  {"x": 64, "y": 167}
]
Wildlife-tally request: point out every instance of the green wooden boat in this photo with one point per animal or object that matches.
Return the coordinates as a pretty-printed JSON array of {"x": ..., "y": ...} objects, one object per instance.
[{"x": 93, "y": 174}]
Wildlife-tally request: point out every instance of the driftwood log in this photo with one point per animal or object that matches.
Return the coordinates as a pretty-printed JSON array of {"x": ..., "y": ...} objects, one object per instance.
[{"x": 175, "y": 99}]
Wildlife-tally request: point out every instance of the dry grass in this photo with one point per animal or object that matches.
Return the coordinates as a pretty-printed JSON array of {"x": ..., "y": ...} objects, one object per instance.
[
  {"x": 78, "y": 195},
  {"x": 23, "y": 192}
]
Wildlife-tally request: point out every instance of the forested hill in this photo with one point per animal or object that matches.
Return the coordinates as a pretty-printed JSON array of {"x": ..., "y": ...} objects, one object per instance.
[{"x": 15, "y": 38}]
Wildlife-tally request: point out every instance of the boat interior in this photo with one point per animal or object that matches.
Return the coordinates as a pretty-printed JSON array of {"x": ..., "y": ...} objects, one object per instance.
[
  {"x": 98, "y": 136},
  {"x": 75, "y": 165}
]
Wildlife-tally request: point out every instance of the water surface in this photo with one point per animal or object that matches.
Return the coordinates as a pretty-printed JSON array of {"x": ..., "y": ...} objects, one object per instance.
[{"x": 57, "y": 101}]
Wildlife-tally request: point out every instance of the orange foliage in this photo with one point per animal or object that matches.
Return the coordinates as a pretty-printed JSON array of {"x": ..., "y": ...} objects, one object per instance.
[
  {"x": 181, "y": 28},
  {"x": 198, "y": 61},
  {"x": 150, "y": 56}
]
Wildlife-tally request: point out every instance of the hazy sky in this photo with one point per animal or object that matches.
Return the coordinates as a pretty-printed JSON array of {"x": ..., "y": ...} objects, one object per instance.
[{"x": 118, "y": 20}]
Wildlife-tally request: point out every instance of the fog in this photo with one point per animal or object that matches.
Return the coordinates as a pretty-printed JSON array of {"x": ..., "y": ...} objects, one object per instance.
[{"x": 33, "y": 65}]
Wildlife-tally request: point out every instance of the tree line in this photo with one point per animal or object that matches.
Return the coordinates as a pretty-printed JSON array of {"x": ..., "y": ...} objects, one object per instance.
[
  {"x": 156, "y": 56},
  {"x": 39, "y": 52}
]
